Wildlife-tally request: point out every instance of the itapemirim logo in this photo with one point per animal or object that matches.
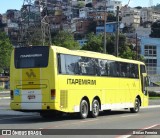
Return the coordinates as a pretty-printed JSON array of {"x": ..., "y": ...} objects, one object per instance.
[{"x": 30, "y": 74}]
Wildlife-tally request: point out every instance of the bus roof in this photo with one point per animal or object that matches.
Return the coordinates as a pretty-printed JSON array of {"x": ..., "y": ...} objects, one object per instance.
[{"x": 86, "y": 53}]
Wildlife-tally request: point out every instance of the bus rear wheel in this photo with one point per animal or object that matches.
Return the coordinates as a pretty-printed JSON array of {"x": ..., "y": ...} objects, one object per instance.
[
  {"x": 84, "y": 109},
  {"x": 136, "y": 107},
  {"x": 95, "y": 108}
]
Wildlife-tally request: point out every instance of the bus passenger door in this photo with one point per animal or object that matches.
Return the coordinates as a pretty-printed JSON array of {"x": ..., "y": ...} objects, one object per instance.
[{"x": 145, "y": 84}]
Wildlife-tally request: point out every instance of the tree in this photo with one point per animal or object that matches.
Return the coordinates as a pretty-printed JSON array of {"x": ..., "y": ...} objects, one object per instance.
[
  {"x": 5, "y": 52},
  {"x": 155, "y": 29},
  {"x": 81, "y": 4},
  {"x": 128, "y": 29},
  {"x": 94, "y": 43},
  {"x": 112, "y": 18},
  {"x": 65, "y": 39},
  {"x": 138, "y": 7},
  {"x": 110, "y": 44},
  {"x": 92, "y": 27}
]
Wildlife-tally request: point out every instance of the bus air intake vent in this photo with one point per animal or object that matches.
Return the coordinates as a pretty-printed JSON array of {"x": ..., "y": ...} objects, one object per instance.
[{"x": 63, "y": 98}]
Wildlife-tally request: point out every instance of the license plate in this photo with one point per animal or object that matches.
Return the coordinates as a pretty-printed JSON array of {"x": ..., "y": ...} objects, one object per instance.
[{"x": 32, "y": 96}]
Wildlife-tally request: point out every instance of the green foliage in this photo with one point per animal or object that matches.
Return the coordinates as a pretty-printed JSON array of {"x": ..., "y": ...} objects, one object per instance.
[
  {"x": 65, "y": 39},
  {"x": 112, "y": 18},
  {"x": 5, "y": 51},
  {"x": 81, "y": 4},
  {"x": 128, "y": 29},
  {"x": 138, "y": 7},
  {"x": 94, "y": 43},
  {"x": 125, "y": 49},
  {"x": 110, "y": 44},
  {"x": 155, "y": 29},
  {"x": 92, "y": 27}
]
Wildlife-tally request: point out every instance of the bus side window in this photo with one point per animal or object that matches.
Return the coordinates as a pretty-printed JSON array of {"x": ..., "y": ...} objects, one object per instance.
[
  {"x": 134, "y": 71},
  {"x": 142, "y": 69},
  {"x": 87, "y": 66},
  {"x": 113, "y": 68},
  {"x": 103, "y": 67},
  {"x": 73, "y": 66},
  {"x": 61, "y": 64}
]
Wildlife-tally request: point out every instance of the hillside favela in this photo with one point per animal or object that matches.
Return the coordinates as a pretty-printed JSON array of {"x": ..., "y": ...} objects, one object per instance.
[
  {"x": 85, "y": 57},
  {"x": 44, "y": 19}
]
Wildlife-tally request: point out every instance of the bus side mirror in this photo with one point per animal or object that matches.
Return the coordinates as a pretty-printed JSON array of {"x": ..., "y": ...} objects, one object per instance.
[{"x": 148, "y": 81}]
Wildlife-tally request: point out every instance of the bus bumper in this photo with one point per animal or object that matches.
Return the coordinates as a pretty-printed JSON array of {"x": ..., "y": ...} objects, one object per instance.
[{"x": 33, "y": 106}]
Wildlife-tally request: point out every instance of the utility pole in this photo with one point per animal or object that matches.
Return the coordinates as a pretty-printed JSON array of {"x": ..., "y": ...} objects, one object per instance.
[
  {"x": 34, "y": 23},
  {"x": 45, "y": 23},
  {"x": 105, "y": 18},
  {"x": 29, "y": 24},
  {"x": 117, "y": 32},
  {"x": 136, "y": 47}
]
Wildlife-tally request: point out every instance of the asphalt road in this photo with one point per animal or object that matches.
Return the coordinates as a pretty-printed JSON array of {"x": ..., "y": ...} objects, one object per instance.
[{"x": 122, "y": 119}]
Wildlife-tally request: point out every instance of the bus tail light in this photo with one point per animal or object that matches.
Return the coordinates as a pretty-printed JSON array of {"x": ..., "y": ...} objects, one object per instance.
[
  {"x": 11, "y": 94},
  {"x": 53, "y": 94}
]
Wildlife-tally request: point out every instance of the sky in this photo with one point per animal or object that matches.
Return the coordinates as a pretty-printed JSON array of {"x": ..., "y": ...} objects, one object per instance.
[{"x": 16, "y": 4}]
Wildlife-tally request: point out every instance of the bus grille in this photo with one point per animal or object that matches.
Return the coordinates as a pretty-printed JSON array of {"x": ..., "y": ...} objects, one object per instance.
[{"x": 63, "y": 98}]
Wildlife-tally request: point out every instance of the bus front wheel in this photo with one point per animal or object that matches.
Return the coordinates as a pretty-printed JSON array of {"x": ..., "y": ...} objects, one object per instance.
[
  {"x": 84, "y": 109},
  {"x": 95, "y": 108},
  {"x": 136, "y": 107}
]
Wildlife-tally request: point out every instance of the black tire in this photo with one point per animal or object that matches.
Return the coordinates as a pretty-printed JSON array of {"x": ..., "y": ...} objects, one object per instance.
[
  {"x": 95, "y": 108},
  {"x": 84, "y": 109},
  {"x": 136, "y": 106}
]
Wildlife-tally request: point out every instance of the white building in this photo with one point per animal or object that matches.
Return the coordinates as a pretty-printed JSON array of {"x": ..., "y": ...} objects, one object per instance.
[
  {"x": 76, "y": 2},
  {"x": 131, "y": 17},
  {"x": 148, "y": 14},
  {"x": 83, "y": 12},
  {"x": 112, "y": 5},
  {"x": 4, "y": 18}
]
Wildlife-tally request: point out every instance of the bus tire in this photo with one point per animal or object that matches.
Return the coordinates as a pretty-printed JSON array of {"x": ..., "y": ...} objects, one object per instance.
[
  {"x": 95, "y": 108},
  {"x": 136, "y": 106},
  {"x": 84, "y": 109}
]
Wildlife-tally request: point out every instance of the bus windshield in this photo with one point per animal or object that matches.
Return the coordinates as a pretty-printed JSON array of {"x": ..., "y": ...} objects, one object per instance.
[{"x": 31, "y": 57}]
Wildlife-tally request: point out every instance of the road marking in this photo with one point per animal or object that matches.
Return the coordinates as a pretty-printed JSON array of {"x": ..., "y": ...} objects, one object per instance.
[{"x": 150, "y": 126}]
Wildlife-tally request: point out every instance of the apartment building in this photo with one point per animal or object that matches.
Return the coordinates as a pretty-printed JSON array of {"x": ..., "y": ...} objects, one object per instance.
[
  {"x": 76, "y": 2},
  {"x": 112, "y": 5},
  {"x": 131, "y": 17},
  {"x": 150, "y": 49},
  {"x": 149, "y": 15}
]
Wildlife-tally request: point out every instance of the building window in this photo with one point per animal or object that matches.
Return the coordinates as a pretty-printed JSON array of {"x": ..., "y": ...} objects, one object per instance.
[
  {"x": 151, "y": 66},
  {"x": 150, "y": 50}
]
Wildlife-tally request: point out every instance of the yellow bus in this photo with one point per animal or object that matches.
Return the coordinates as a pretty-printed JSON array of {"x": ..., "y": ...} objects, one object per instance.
[{"x": 52, "y": 79}]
